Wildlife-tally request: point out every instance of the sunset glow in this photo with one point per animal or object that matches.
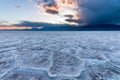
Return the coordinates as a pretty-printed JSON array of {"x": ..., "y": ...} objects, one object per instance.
[
  {"x": 62, "y": 8},
  {"x": 14, "y": 27},
  {"x": 58, "y": 12}
]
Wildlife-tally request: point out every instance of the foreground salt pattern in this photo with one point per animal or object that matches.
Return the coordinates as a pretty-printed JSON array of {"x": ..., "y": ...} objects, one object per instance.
[{"x": 59, "y": 56}]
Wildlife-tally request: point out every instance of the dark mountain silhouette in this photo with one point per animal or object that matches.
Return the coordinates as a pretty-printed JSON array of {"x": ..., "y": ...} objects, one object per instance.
[
  {"x": 66, "y": 27},
  {"x": 102, "y": 27}
]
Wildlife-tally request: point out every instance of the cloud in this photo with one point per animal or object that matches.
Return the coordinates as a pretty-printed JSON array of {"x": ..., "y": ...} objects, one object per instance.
[
  {"x": 29, "y": 23},
  {"x": 38, "y": 24},
  {"x": 59, "y": 7},
  {"x": 17, "y": 6},
  {"x": 3, "y": 22},
  {"x": 87, "y": 11},
  {"x": 41, "y": 26},
  {"x": 51, "y": 11},
  {"x": 69, "y": 16},
  {"x": 100, "y": 11},
  {"x": 72, "y": 20}
]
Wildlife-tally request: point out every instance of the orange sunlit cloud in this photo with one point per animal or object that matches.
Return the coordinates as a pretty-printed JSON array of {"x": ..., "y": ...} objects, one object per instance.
[
  {"x": 14, "y": 27},
  {"x": 62, "y": 7},
  {"x": 76, "y": 16},
  {"x": 52, "y": 7},
  {"x": 68, "y": 3}
]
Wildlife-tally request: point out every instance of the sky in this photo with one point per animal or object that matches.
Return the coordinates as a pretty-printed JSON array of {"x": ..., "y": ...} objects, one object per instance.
[
  {"x": 14, "y": 11},
  {"x": 72, "y": 12}
]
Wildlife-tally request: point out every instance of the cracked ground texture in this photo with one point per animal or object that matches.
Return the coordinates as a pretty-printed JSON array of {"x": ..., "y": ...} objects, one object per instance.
[{"x": 59, "y": 55}]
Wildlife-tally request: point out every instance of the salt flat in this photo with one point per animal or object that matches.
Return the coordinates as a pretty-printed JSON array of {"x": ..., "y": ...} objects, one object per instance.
[{"x": 58, "y": 55}]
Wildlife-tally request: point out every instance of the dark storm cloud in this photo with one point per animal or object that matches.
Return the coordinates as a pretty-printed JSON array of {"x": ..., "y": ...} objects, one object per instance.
[
  {"x": 72, "y": 20},
  {"x": 69, "y": 16},
  {"x": 100, "y": 11},
  {"x": 52, "y": 11},
  {"x": 91, "y": 11}
]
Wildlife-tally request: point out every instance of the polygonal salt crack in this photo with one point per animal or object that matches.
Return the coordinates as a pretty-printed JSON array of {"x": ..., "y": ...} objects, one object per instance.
[
  {"x": 97, "y": 70},
  {"x": 7, "y": 63},
  {"x": 114, "y": 57},
  {"x": 65, "y": 64},
  {"x": 35, "y": 57},
  {"x": 64, "y": 78},
  {"x": 26, "y": 74}
]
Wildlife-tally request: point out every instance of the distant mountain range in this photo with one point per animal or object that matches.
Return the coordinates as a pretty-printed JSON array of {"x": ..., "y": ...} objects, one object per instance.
[
  {"x": 103, "y": 27},
  {"x": 56, "y": 27}
]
